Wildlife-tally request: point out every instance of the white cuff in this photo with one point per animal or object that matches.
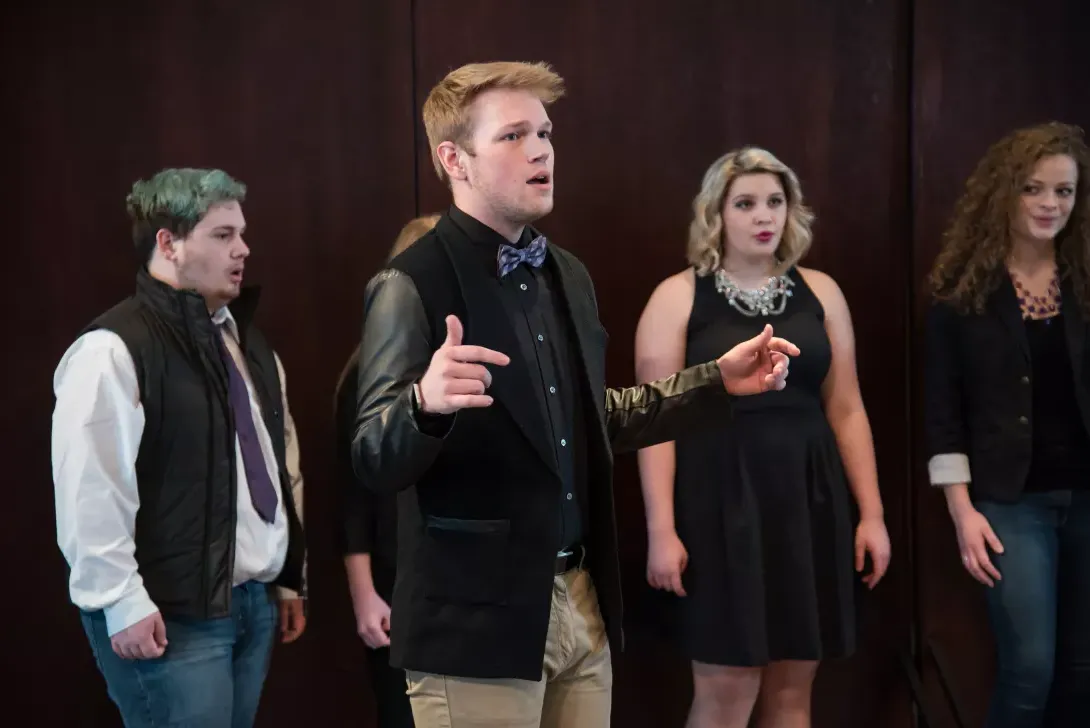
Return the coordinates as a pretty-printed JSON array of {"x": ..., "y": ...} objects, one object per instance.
[
  {"x": 286, "y": 594},
  {"x": 949, "y": 469},
  {"x": 128, "y": 611}
]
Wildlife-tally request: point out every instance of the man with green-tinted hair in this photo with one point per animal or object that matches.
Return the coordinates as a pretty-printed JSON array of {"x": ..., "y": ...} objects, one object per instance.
[{"x": 176, "y": 470}]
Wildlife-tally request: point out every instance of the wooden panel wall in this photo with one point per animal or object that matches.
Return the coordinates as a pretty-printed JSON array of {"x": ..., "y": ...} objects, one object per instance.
[{"x": 881, "y": 107}]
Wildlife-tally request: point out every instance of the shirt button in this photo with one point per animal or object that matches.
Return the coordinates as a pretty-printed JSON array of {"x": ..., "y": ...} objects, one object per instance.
[
  {"x": 1024, "y": 420},
  {"x": 523, "y": 286},
  {"x": 563, "y": 443},
  {"x": 569, "y": 496},
  {"x": 552, "y": 390},
  {"x": 1025, "y": 380},
  {"x": 540, "y": 337}
]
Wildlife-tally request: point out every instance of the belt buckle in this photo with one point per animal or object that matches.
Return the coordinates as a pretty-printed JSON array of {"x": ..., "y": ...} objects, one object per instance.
[{"x": 566, "y": 556}]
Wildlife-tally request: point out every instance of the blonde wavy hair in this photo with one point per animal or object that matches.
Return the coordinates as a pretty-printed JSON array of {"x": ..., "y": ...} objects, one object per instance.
[
  {"x": 706, "y": 236},
  {"x": 977, "y": 240}
]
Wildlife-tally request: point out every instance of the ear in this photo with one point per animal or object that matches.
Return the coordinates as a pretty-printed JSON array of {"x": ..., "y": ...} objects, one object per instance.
[
  {"x": 165, "y": 244},
  {"x": 450, "y": 156}
]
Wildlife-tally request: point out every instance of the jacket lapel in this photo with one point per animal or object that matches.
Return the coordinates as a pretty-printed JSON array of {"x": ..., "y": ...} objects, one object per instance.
[
  {"x": 1006, "y": 307},
  {"x": 488, "y": 324},
  {"x": 1074, "y": 327},
  {"x": 591, "y": 337}
]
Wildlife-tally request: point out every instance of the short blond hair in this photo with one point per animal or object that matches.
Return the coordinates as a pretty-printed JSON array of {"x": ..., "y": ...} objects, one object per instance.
[
  {"x": 446, "y": 110},
  {"x": 706, "y": 235},
  {"x": 414, "y": 230}
]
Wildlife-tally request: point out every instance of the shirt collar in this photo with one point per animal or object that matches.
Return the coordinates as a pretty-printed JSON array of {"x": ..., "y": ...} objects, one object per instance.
[
  {"x": 480, "y": 234},
  {"x": 224, "y": 317}
]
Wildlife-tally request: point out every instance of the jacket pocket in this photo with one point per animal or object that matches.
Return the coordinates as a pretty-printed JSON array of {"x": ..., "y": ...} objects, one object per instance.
[{"x": 465, "y": 560}]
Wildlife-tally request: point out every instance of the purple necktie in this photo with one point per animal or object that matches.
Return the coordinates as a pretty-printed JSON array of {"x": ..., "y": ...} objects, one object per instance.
[{"x": 262, "y": 492}]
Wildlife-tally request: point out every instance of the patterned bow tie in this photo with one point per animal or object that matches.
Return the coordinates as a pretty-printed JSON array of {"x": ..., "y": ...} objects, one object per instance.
[{"x": 509, "y": 257}]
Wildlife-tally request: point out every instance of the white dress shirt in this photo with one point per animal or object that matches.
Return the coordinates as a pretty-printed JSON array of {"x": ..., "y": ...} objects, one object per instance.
[{"x": 97, "y": 425}]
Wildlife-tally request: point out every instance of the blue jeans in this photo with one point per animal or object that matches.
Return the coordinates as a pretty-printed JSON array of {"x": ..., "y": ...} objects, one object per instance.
[
  {"x": 211, "y": 674},
  {"x": 1040, "y": 610}
]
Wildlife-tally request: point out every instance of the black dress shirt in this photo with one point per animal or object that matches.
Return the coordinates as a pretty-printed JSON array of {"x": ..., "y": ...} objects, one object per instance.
[{"x": 542, "y": 324}]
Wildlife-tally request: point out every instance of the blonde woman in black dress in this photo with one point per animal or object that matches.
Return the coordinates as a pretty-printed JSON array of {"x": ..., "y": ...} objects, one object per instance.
[{"x": 753, "y": 522}]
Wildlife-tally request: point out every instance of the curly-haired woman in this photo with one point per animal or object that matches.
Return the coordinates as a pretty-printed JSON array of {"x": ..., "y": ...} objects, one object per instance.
[{"x": 1008, "y": 411}]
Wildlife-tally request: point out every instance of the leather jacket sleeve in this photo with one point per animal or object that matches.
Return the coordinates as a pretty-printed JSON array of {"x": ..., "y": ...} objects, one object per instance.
[
  {"x": 394, "y": 444},
  {"x": 663, "y": 410}
]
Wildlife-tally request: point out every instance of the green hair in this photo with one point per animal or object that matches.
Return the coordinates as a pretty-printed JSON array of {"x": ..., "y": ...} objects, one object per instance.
[{"x": 176, "y": 199}]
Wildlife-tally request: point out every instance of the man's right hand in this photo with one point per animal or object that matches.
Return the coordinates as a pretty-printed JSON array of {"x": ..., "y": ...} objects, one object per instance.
[
  {"x": 457, "y": 377},
  {"x": 145, "y": 640}
]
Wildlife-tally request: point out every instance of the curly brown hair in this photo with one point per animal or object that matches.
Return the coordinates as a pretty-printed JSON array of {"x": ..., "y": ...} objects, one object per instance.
[{"x": 977, "y": 241}]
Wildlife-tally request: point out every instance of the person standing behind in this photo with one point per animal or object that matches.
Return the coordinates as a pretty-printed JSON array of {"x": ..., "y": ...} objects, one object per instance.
[
  {"x": 172, "y": 471},
  {"x": 1008, "y": 412},
  {"x": 369, "y": 537}
]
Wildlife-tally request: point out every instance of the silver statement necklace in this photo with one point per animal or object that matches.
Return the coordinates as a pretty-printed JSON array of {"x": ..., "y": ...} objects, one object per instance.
[{"x": 768, "y": 300}]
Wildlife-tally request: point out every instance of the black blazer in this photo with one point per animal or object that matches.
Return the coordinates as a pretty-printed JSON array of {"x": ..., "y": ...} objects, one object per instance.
[
  {"x": 479, "y": 507},
  {"x": 978, "y": 401}
]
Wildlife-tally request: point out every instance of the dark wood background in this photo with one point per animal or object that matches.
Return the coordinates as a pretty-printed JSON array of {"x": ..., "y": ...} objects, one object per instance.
[{"x": 882, "y": 106}]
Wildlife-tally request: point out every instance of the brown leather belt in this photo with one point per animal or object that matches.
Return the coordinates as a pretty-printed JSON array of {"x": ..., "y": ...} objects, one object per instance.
[{"x": 571, "y": 558}]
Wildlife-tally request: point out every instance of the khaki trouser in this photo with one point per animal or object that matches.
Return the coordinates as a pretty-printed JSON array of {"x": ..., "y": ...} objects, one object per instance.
[{"x": 576, "y": 683}]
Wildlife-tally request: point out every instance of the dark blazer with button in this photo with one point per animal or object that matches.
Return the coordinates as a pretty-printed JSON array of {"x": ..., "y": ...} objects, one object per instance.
[
  {"x": 978, "y": 397},
  {"x": 479, "y": 491}
]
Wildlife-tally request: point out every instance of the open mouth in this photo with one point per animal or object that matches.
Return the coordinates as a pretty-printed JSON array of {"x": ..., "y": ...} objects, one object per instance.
[
  {"x": 541, "y": 179},
  {"x": 235, "y": 275}
]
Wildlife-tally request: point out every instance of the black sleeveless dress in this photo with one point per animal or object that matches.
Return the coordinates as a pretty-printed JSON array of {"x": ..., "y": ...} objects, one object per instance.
[{"x": 763, "y": 505}]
